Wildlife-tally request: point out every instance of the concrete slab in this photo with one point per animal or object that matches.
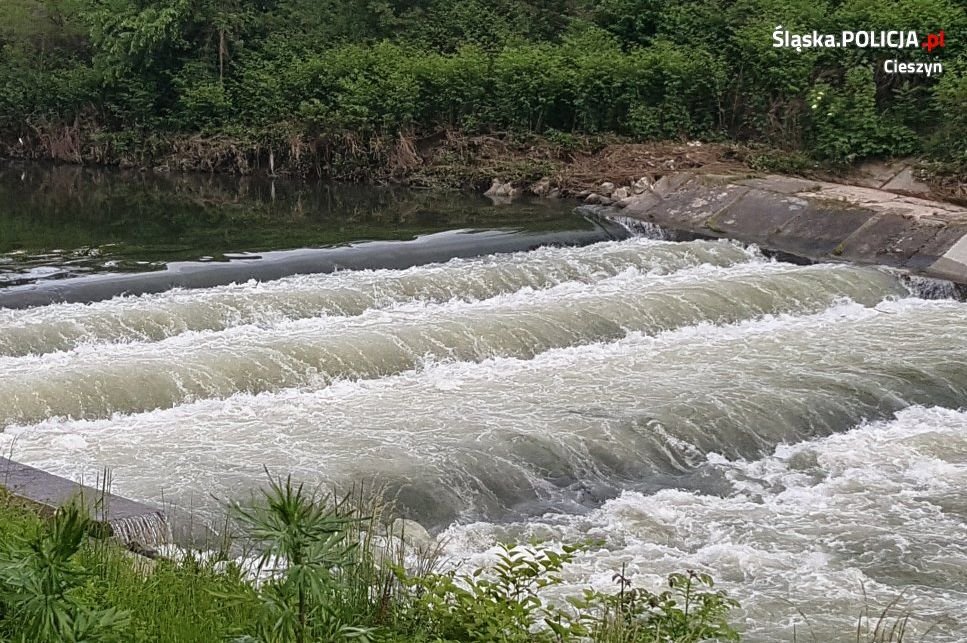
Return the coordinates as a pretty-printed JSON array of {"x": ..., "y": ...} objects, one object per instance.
[
  {"x": 888, "y": 238},
  {"x": 757, "y": 215},
  {"x": 874, "y": 174},
  {"x": 820, "y": 230},
  {"x": 671, "y": 183},
  {"x": 852, "y": 194},
  {"x": 819, "y": 220},
  {"x": 693, "y": 206},
  {"x": 640, "y": 204},
  {"x": 782, "y": 184},
  {"x": 933, "y": 250},
  {"x": 907, "y": 182},
  {"x": 958, "y": 252},
  {"x": 128, "y": 521},
  {"x": 953, "y": 264}
]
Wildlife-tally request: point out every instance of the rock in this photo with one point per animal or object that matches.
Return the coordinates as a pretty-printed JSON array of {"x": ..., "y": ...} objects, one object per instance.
[
  {"x": 583, "y": 194},
  {"x": 554, "y": 194},
  {"x": 606, "y": 200},
  {"x": 593, "y": 199},
  {"x": 641, "y": 186},
  {"x": 621, "y": 193},
  {"x": 624, "y": 203},
  {"x": 499, "y": 189},
  {"x": 494, "y": 188},
  {"x": 410, "y": 532},
  {"x": 542, "y": 188},
  {"x": 606, "y": 188},
  {"x": 502, "y": 193}
]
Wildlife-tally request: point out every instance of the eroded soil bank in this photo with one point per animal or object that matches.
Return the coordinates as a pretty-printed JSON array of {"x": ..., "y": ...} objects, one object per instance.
[{"x": 449, "y": 159}]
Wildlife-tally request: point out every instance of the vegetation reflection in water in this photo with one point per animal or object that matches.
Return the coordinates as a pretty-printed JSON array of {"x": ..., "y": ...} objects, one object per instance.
[{"x": 58, "y": 222}]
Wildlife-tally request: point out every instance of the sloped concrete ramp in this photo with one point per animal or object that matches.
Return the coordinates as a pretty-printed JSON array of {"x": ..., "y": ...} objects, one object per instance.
[
  {"x": 816, "y": 220},
  {"x": 129, "y": 522}
]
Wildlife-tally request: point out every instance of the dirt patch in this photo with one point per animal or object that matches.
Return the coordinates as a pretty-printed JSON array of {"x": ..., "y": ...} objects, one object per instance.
[
  {"x": 624, "y": 163},
  {"x": 446, "y": 159}
]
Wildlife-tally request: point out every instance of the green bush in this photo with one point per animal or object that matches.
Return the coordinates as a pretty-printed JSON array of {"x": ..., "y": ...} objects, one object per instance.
[
  {"x": 648, "y": 69},
  {"x": 40, "y": 578},
  {"x": 504, "y": 604},
  {"x": 325, "y": 569},
  {"x": 847, "y": 125}
]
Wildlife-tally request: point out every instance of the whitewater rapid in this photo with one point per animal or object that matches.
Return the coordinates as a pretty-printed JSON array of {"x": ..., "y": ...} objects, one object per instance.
[
  {"x": 797, "y": 431},
  {"x": 815, "y": 539}
]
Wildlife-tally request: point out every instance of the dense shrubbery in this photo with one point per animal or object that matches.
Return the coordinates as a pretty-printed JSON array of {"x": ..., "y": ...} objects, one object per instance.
[
  {"x": 647, "y": 69},
  {"x": 323, "y": 574}
]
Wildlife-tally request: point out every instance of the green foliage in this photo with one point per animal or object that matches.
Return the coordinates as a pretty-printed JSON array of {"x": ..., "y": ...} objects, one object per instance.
[
  {"x": 307, "y": 548},
  {"x": 951, "y": 97},
  {"x": 689, "y": 611},
  {"x": 504, "y": 604},
  {"x": 39, "y": 581},
  {"x": 846, "y": 124},
  {"x": 268, "y": 70},
  {"x": 321, "y": 573}
]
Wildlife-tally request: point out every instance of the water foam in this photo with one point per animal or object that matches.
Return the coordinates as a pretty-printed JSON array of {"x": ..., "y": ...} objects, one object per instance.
[
  {"x": 98, "y": 380},
  {"x": 807, "y": 529},
  {"x": 149, "y": 318},
  {"x": 509, "y": 436}
]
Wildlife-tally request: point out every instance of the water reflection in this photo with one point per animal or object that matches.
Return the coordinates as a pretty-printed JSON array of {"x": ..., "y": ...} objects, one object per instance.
[{"x": 63, "y": 221}]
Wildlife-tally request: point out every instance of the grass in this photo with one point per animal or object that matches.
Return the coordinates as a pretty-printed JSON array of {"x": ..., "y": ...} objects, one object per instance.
[{"x": 321, "y": 568}]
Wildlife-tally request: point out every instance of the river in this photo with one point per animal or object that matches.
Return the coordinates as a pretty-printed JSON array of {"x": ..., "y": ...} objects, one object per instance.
[{"x": 798, "y": 431}]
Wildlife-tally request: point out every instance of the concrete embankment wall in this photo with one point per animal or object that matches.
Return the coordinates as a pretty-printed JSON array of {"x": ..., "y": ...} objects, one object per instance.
[
  {"x": 132, "y": 523},
  {"x": 814, "y": 220}
]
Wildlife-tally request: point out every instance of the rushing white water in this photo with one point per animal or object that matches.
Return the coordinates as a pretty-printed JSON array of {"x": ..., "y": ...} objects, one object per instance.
[
  {"x": 146, "y": 530},
  {"x": 155, "y": 317},
  {"x": 787, "y": 428},
  {"x": 878, "y": 510},
  {"x": 97, "y": 380}
]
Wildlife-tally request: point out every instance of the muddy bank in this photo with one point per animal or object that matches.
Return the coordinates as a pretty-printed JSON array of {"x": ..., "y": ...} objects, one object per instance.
[
  {"x": 444, "y": 159},
  {"x": 811, "y": 219}
]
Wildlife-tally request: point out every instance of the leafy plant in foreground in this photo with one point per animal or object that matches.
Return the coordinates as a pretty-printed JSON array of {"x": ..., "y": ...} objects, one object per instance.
[
  {"x": 305, "y": 547},
  {"x": 39, "y": 580},
  {"x": 687, "y": 612},
  {"x": 504, "y": 604}
]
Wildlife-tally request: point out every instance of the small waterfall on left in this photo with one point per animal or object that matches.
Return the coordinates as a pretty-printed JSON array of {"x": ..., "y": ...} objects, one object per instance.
[{"x": 147, "y": 530}]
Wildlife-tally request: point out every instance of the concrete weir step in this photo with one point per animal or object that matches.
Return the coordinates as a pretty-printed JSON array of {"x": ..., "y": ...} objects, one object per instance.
[
  {"x": 132, "y": 523},
  {"x": 816, "y": 220}
]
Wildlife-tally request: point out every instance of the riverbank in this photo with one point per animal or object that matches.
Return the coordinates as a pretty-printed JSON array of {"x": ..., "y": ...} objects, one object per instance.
[
  {"x": 559, "y": 164},
  {"x": 347, "y": 576},
  {"x": 809, "y": 219}
]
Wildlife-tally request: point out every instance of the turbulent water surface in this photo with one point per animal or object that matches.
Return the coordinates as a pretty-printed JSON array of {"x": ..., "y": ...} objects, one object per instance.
[{"x": 797, "y": 431}]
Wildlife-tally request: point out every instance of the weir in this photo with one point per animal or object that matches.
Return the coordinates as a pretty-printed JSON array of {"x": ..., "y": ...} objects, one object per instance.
[
  {"x": 129, "y": 522},
  {"x": 814, "y": 220},
  {"x": 268, "y": 266},
  {"x": 695, "y": 404}
]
